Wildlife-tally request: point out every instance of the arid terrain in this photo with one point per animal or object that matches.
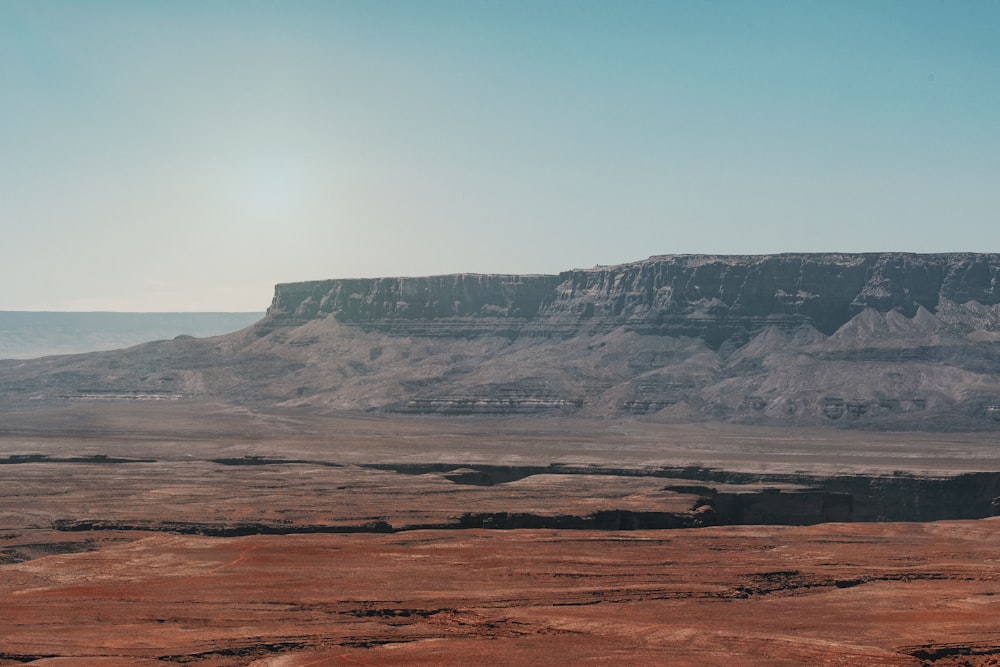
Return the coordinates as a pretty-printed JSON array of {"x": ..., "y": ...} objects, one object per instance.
[
  {"x": 687, "y": 460},
  {"x": 894, "y": 341},
  {"x": 173, "y": 532},
  {"x": 500, "y": 332}
]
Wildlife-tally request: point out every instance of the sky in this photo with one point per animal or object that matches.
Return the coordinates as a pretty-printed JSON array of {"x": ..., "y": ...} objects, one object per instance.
[{"x": 188, "y": 155}]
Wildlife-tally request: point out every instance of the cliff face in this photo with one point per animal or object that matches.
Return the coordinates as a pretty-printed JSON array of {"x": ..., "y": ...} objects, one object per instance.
[
  {"x": 714, "y": 298},
  {"x": 877, "y": 340},
  {"x": 455, "y": 305}
]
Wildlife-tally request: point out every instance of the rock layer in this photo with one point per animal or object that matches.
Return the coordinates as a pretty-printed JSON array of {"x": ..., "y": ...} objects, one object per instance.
[
  {"x": 885, "y": 340},
  {"x": 715, "y": 298}
]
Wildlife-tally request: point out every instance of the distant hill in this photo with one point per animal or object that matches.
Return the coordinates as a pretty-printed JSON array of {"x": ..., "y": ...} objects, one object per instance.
[
  {"x": 26, "y": 335},
  {"x": 878, "y": 340}
]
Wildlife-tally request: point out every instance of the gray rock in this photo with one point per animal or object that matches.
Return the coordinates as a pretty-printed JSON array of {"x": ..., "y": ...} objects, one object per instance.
[
  {"x": 719, "y": 299},
  {"x": 887, "y": 340}
]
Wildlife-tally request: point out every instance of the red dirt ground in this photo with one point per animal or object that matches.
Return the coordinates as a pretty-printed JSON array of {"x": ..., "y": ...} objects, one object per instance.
[
  {"x": 832, "y": 594},
  {"x": 829, "y": 594}
]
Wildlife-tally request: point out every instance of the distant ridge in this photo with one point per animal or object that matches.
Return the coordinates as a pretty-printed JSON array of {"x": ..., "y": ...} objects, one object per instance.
[
  {"x": 29, "y": 334},
  {"x": 721, "y": 299},
  {"x": 873, "y": 340}
]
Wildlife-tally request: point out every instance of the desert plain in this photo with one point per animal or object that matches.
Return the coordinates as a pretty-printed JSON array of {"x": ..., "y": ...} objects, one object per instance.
[{"x": 201, "y": 533}]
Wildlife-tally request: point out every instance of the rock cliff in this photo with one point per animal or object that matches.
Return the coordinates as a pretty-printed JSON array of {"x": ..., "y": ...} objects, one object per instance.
[
  {"x": 884, "y": 340},
  {"x": 718, "y": 299}
]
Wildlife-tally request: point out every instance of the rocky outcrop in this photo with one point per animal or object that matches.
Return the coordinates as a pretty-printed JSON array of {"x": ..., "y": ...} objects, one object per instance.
[
  {"x": 714, "y": 298},
  {"x": 456, "y": 305},
  {"x": 884, "y": 340}
]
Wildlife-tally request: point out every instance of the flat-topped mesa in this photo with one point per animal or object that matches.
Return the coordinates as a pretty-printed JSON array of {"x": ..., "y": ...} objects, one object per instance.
[
  {"x": 716, "y": 298},
  {"x": 458, "y": 305}
]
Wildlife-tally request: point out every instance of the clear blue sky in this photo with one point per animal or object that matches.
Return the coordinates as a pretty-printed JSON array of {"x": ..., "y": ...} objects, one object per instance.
[{"x": 187, "y": 155}]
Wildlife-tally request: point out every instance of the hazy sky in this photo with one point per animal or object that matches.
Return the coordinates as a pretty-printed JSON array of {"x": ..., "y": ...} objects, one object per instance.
[{"x": 188, "y": 155}]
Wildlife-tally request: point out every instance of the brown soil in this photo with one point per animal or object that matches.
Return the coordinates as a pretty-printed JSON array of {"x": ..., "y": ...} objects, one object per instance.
[
  {"x": 875, "y": 594},
  {"x": 116, "y": 563}
]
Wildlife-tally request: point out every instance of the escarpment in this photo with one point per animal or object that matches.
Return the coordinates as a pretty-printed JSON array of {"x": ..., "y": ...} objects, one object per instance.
[
  {"x": 718, "y": 299},
  {"x": 453, "y": 305},
  {"x": 885, "y": 338},
  {"x": 881, "y": 340}
]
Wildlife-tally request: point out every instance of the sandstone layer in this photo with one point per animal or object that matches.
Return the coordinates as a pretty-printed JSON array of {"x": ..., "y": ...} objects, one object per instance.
[
  {"x": 885, "y": 340},
  {"x": 718, "y": 299}
]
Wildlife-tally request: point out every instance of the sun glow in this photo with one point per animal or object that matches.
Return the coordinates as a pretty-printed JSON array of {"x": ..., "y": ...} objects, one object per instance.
[{"x": 269, "y": 189}]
